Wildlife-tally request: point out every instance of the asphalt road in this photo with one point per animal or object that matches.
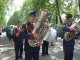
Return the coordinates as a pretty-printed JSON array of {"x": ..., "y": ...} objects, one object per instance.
[{"x": 56, "y": 51}]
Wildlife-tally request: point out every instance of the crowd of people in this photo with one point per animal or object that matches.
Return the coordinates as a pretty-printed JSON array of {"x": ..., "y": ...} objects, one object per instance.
[{"x": 23, "y": 32}]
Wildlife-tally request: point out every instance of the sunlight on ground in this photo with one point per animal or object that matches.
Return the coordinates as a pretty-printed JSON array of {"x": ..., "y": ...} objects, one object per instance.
[
  {"x": 56, "y": 51},
  {"x": 3, "y": 34},
  {"x": 6, "y": 58}
]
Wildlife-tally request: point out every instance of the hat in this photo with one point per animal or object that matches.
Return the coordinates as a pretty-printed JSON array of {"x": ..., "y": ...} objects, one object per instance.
[
  {"x": 68, "y": 15},
  {"x": 33, "y": 13}
]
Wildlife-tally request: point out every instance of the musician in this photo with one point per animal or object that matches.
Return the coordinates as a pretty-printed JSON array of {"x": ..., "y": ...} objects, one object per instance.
[
  {"x": 45, "y": 47},
  {"x": 18, "y": 41},
  {"x": 45, "y": 44},
  {"x": 31, "y": 53},
  {"x": 68, "y": 46}
]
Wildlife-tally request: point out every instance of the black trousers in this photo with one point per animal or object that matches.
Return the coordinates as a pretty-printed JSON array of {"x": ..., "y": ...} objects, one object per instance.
[
  {"x": 31, "y": 53},
  {"x": 45, "y": 47},
  {"x": 18, "y": 51},
  {"x": 68, "y": 52},
  {"x": 0, "y": 33}
]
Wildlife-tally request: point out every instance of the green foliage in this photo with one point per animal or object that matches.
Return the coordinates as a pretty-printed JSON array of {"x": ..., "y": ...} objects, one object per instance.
[
  {"x": 3, "y": 22},
  {"x": 25, "y": 10},
  {"x": 3, "y": 5},
  {"x": 14, "y": 18},
  {"x": 57, "y": 8},
  {"x": 72, "y": 8},
  {"x": 79, "y": 4},
  {"x": 36, "y": 4}
]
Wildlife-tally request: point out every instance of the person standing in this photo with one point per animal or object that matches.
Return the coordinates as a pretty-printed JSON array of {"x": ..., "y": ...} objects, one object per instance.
[
  {"x": 0, "y": 32},
  {"x": 45, "y": 47},
  {"x": 31, "y": 53},
  {"x": 8, "y": 34},
  {"x": 68, "y": 45},
  {"x": 18, "y": 41}
]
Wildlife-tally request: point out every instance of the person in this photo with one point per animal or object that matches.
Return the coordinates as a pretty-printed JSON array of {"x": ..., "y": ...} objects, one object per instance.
[
  {"x": 0, "y": 32},
  {"x": 31, "y": 53},
  {"x": 78, "y": 30},
  {"x": 45, "y": 47},
  {"x": 45, "y": 44},
  {"x": 68, "y": 45},
  {"x": 18, "y": 41},
  {"x": 8, "y": 33}
]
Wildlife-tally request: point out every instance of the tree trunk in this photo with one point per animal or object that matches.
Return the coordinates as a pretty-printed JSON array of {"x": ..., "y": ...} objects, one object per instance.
[
  {"x": 56, "y": 19},
  {"x": 79, "y": 4},
  {"x": 57, "y": 6}
]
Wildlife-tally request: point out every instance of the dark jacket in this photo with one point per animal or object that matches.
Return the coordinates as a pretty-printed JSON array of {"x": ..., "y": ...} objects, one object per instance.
[
  {"x": 17, "y": 40},
  {"x": 28, "y": 27},
  {"x": 66, "y": 29}
]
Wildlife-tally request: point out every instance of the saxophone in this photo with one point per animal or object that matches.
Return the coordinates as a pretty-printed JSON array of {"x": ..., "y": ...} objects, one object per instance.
[
  {"x": 40, "y": 28},
  {"x": 71, "y": 35}
]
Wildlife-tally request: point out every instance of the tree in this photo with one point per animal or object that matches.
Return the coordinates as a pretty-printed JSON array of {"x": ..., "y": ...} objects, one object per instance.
[
  {"x": 71, "y": 8},
  {"x": 56, "y": 9},
  {"x": 79, "y": 4},
  {"x": 3, "y": 5},
  {"x": 14, "y": 18}
]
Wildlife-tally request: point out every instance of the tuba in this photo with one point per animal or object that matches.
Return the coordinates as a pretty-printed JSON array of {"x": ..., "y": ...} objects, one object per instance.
[
  {"x": 40, "y": 28},
  {"x": 71, "y": 35}
]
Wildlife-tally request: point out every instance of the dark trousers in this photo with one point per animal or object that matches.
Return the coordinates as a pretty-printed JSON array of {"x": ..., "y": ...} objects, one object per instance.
[
  {"x": 45, "y": 47},
  {"x": 68, "y": 52},
  {"x": 0, "y": 33},
  {"x": 18, "y": 51},
  {"x": 31, "y": 53}
]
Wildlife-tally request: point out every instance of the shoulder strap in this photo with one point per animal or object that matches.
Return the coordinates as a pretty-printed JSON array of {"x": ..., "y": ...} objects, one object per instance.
[
  {"x": 26, "y": 27},
  {"x": 29, "y": 27}
]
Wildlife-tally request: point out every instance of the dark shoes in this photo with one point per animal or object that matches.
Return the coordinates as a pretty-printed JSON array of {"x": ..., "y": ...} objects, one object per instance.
[
  {"x": 45, "y": 54},
  {"x": 16, "y": 59},
  {"x": 19, "y": 59}
]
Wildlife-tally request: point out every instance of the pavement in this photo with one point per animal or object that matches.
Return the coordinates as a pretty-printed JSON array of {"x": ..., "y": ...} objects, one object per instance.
[{"x": 56, "y": 51}]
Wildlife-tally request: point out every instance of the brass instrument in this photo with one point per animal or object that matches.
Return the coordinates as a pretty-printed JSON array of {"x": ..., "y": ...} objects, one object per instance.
[
  {"x": 40, "y": 28},
  {"x": 71, "y": 35}
]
